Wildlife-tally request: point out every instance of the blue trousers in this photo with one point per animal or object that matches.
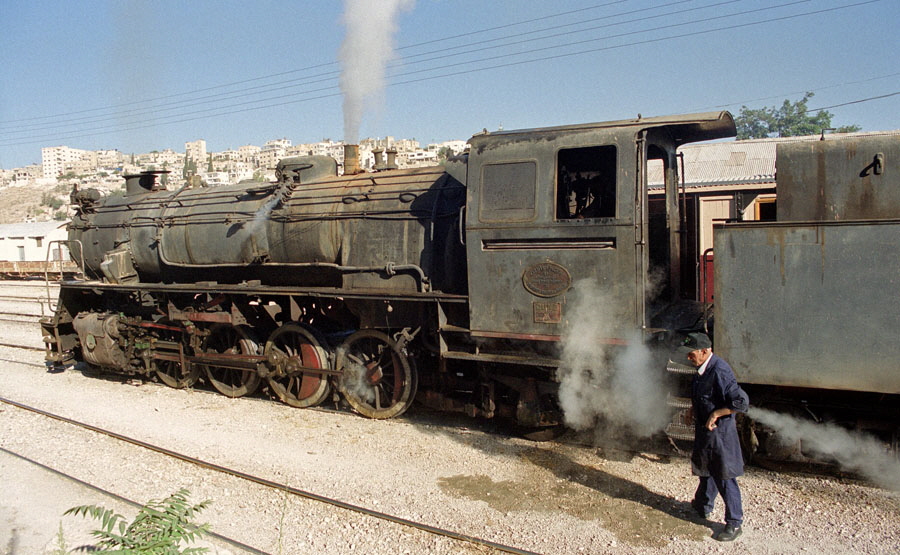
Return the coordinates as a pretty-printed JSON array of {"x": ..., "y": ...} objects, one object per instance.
[{"x": 706, "y": 497}]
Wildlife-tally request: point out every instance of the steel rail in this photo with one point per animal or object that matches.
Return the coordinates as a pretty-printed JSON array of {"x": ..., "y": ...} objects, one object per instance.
[
  {"x": 26, "y": 347},
  {"x": 278, "y": 486},
  {"x": 118, "y": 497},
  {"x": 25, "y": 319}
]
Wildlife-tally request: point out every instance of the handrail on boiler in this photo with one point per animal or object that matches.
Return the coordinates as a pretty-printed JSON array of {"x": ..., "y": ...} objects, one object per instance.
[{"x": 60, "y": 242}]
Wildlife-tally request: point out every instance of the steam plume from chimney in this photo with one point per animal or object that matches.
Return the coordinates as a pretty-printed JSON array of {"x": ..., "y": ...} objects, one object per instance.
[{"x": 367, "y": 48}]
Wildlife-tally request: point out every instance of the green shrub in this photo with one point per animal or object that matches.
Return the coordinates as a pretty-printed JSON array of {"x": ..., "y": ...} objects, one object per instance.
[{"x": 159, "y": 527}]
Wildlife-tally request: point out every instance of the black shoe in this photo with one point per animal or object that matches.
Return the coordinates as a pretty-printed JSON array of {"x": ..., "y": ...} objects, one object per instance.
[
  {"x": 700, "y": 510},
  {"x": 729, "y": 534}
]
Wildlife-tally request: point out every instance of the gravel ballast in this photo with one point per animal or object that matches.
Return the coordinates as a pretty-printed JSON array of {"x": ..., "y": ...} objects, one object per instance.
[{"x": 442, "y": 470}]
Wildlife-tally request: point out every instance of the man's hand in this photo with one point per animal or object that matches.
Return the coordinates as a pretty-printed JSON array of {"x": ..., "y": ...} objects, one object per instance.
[{"x": 715, "y": 415}]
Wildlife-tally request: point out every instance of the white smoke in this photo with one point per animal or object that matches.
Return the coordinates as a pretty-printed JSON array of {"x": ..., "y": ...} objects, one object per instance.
[
  {"x": 604, "y": 387},
  {"x": 368, "y": 47},
  {"x": 355, "y": 382},
  {"x": 854, "y": 452}
]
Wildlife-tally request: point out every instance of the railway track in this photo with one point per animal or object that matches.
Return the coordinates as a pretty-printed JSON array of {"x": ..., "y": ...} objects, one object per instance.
[
  {"x": 250, "y": 478},
  {"x": 132, "y": 503}
]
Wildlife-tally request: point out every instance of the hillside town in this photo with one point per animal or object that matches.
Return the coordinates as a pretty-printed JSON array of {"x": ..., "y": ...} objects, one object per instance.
[{"x": 40, "y": 191}]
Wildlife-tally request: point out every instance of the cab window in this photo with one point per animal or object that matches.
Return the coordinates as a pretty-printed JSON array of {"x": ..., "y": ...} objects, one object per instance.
[{"x": 586, "y": 183}]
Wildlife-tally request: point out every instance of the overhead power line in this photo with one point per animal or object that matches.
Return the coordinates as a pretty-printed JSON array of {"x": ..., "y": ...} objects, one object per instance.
[
  {"x": 316, "y": 66},
  {"x": 281, "y": 100},
  {"x": 113, "y": 112}
]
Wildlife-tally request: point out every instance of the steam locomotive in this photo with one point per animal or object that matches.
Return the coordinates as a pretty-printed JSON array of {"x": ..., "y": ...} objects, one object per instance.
[{"x": 449, "y": 285}]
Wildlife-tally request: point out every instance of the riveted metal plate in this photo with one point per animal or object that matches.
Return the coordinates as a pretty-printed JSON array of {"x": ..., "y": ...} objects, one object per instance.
[{"x": 547, "y": 313}]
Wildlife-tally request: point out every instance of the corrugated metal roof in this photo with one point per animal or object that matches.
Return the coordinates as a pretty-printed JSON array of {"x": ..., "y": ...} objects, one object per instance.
[
  {"x": 31, "y": 229},
  {"x": 750, "y": 162}
]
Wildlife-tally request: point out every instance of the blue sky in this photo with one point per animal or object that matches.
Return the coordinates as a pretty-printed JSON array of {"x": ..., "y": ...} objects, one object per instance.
[{"x": 139, "y": 75}]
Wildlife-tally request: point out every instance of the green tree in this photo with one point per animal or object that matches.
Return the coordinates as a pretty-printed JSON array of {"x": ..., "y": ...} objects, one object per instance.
[
  {"x": 49, "y": 199},
  {"x": 209, "y": 166},
  {"x": 790, "y": 120},
  {"x": 443, "y": 153},
  {"x": 190, "y": 168}
]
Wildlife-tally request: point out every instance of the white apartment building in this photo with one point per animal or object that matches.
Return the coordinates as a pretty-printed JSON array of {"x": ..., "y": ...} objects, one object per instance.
[
  {"x": 196, "y": 151},
  {"x": 417, "y": 158},
  {"x": 272, "y": 152},
  {"x": 248, "y": 153},
  {"x": 109, "y": 158},
  {"x": 404, "y": 145},
  {"x": 229, "y": 154},
  {"x": 455, "y": 146},
  {"x": 215, "y": 179},
  {"x": 57, "y": 160},
  {"x": 32, "y": 171},
  {"x": 170, "y": 157}
]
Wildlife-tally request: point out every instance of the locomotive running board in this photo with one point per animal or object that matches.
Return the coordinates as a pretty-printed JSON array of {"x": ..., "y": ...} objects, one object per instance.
[{"x": 506, "y": 359}]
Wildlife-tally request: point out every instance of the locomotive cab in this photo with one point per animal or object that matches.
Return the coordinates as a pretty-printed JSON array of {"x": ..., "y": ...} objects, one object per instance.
[{"x": 552, "y": 210}]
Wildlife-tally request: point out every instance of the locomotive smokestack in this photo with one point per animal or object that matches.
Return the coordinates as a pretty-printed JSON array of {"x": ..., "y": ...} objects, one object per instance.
[
  {"x": 379, "y": 162},
  {"x": 351, "y": 159},
  {"x": 143, "y": 182},
  {"x": 391, "y": 162}
]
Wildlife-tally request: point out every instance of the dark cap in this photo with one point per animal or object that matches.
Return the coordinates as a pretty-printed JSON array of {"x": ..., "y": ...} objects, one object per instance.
[{"x": 694, "y": 342}]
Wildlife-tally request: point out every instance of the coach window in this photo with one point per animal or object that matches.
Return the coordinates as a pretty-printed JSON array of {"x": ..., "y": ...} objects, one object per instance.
[
  {"x": 586, "y": 183},
  {"x": 508, "y": 191}
]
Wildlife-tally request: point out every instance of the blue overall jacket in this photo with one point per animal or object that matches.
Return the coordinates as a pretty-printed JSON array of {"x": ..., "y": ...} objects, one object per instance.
[{"x": 717, "y": 452}]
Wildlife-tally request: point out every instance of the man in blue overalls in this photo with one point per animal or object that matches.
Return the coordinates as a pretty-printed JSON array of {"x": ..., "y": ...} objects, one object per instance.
[{"x": 716, "y": 458}]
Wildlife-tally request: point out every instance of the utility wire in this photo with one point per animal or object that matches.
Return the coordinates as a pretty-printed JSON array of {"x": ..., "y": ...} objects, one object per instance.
[
  {"x": 859, "y": 101},
  {"x": 210, "y": 112},
  {"x": 326, "y": 76},
  {"x": 789, "y": 94},
  {"x": 409, "y": 60},
  {"x": 317, "y": 66}
]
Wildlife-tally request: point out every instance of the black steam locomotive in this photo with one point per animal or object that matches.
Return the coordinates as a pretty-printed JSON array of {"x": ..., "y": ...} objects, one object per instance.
[{"x": 450, "y": 285}]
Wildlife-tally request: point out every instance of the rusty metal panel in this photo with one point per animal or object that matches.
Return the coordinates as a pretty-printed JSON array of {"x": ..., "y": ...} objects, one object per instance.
[
  {"x": 215, "y": 226},
  {"x": 523, "y": 270},
  {"x": 810, "y": 305},
  {"x": 852, "y": 178}
]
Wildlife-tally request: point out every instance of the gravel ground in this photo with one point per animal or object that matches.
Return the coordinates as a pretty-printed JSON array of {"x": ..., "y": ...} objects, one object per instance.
[{"x": 442, "y": 470}]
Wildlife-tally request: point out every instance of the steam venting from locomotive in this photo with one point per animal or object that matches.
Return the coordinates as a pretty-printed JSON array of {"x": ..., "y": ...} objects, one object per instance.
[
  {"x": 367, "y": 49},
  {"x": 855, "y": 452},
  {"x": 603, "y": 387}
]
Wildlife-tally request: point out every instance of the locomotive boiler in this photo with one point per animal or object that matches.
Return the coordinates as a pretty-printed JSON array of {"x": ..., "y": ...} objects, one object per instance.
[{"x": 451, "y": 285}]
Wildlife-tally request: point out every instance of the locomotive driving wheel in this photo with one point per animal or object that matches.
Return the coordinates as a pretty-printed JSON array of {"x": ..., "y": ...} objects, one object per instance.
[
  {"x": 171, "y": 372},
  {"x": 231, "y": 340},
  {"x": 291, "y": 348},
  {"x": 376, "y": 376}
]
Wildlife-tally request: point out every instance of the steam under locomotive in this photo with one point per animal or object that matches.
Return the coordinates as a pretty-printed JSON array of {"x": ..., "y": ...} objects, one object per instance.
[{"x": 448, "y": 285}]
